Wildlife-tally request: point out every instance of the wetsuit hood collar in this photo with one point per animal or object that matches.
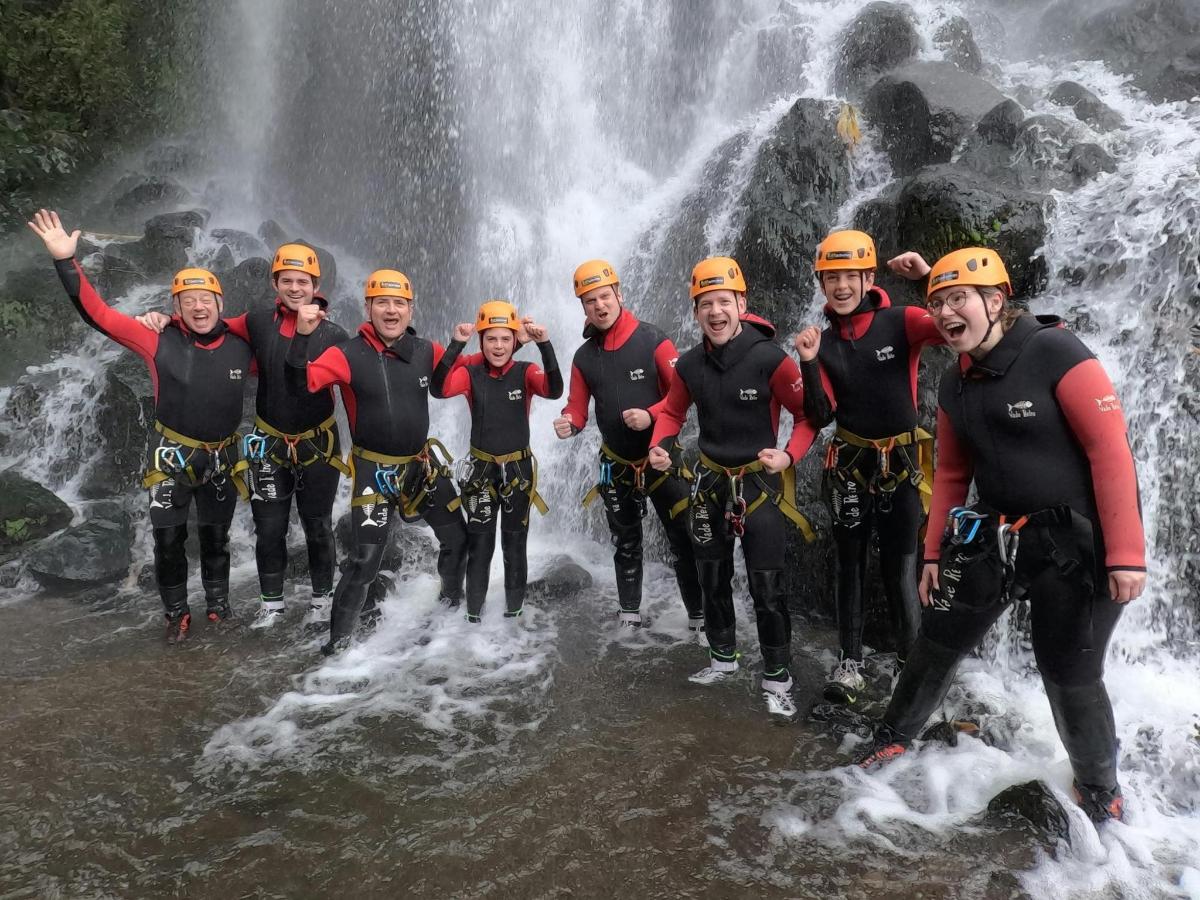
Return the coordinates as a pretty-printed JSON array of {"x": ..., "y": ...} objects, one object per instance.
[
  {"x": 401, "y": 347},
  {"x": 855, "y": 325},
  {"x": 617, "y": 334},
  {"x": 203, "y": 340},
  {"x": 1009, "y": 347},
  {"x": 755, "y": 330}
]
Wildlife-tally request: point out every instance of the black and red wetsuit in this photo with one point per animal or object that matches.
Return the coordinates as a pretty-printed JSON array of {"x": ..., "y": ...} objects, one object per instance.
[
  {"x": 385, "y": 389},
  {"x": 630, "y": 365},
  {"x": 865, "y": 378},
  {"x": 1037, "y": 427},
  {"x": 502, "y": 482},
  {"x": 739, "y": 389},
  {"x": 199, "y": 381},
  {"x": 289, "y": 452}
]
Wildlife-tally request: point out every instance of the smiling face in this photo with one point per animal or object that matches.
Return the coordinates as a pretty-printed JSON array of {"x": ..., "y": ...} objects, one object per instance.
[
  {"x": 294, "y": 288},
  {"x": 964, "y": 315},
  {"x": 389, "y": 316},
  {"x": 719, "y": 313},
  {"x": 602, "y": 306},
  {"x": 200, "y": 310},
  {"x": 497, "y": 345},
  {"x": 844, "y": 289}
]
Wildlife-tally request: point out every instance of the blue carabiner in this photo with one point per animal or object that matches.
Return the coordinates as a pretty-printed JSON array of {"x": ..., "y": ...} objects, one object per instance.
[
  {"x": 606, "y": 468},
  {"x": 387, "y": 481},
  {"x": 254, "y": 446}
]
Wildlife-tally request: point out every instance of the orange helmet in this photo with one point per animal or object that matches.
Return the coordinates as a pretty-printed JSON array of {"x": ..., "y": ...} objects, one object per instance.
[
  {"x": 717, "y": 273},
  {"x": 195, "y": 280},
  {"x": 593, "y": 274},
  {"x": 388, "y": 283},
  {"x": 975, "y": 266},
  {"x": 846, "y": 250},
  {"x": 298, "y": 258},
  {"x": 497, "y": 314}
]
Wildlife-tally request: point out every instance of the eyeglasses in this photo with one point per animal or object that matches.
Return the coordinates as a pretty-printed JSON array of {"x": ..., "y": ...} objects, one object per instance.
[{"x": 954, "y": 302}]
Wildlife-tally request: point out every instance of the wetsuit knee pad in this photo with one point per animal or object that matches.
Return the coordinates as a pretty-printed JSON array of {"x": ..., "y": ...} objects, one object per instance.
[
  {"x": 1084, "y": 718},
  {"x": 170, "y": 555}
]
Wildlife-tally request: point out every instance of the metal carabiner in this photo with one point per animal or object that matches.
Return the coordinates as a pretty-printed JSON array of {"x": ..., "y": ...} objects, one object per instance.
[
  {"x": 169, "y": 459},
  {"x": 254, "y": 446},
  {"x": 387, "y": 481},
  {"x": 606, "y": 470}
]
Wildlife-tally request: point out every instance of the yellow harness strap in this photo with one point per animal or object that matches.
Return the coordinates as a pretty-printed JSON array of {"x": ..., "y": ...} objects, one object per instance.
[
  {"x": 784, "y": 498},
  {"x": 158, "y": 476},
  {"x": 516, "y": 456},
  {"x": 328, "y": 428}
]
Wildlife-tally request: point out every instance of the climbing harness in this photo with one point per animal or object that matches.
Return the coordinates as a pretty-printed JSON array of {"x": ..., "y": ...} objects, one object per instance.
[
  {"x": 723, "y": 486},
  {"x": 843, "y": 466},
  {"x": 170, "y": 462},
  {"x": 616, "y": 473},
  {"x": 434, "y": 462}
]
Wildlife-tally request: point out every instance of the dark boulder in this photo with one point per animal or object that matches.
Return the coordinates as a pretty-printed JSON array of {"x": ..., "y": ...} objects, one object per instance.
[
  {"x": 880, "y": 38},
  {"x": 163, "y": 249},
  {"x": 957, "y": 43},
  {"x": 122, "y": 420},
  {"x": 1030, "y": 808},
  {"x": 36, "y": 319},
  {"x": 945, "y": 208},
  {"x": 242, "y": 243},
  {"x": 136, "y": 197},
  {"x": 247, "y": 286},
  {"x": 1087, "y": 106},
  {"x": 28, "y": 512},
  {"x": 564, "y": 578},
  {"x": 272, "y": 235},
  {"x": 96, "y": 552},
  {"x": 1086, "y": 161},
  {"x": 170, "y": 159},
  {"x": 924, "y": 110},
  {"x": 800, "y": 180},
  {"x": 1001, "y": 123},
  {"x": 112, "y": 274}
]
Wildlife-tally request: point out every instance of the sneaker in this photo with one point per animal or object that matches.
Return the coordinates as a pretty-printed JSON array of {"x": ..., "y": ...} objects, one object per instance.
[
  {"x": 1100, "y": 805},
  {"x": 450, "y": 602},
  {"x": 319, "y": 610},
  {"x": 629, "y": 619},
  {"x": 845, "y": 682},
  {"x": 332, "y": 648},
  {"x": 715, "y": 672},
  {"x": 696, "y": 624},
  {"x": 885, "y": 746},
  {"x": 778, "y": 694},
  {"x": 219, "y": 611},
  {"x": 269, "y": 612},
  {"x": 516, "y": 614},
  {"x": 177, "y": 627},
  {"x": 474, "y": 620}
]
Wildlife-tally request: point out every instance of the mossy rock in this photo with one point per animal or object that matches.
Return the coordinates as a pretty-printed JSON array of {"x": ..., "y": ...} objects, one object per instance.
[{"x": 28, "y": 512}]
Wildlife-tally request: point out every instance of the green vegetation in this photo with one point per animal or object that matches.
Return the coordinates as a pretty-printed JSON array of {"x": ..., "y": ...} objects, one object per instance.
[{"x": 75, "y": 77}]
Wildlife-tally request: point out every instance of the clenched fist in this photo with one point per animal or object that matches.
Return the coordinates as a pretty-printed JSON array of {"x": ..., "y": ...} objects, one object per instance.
[
  {"x": 308, "y": 317},
  {"x": 564, "y": 427},
  {"x": 463, "y": 331},
  {"x": 807, "y": 343}
]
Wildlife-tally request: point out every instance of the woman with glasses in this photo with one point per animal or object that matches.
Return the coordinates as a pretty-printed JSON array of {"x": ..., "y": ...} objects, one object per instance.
[{"x": 1030, "y": 418}]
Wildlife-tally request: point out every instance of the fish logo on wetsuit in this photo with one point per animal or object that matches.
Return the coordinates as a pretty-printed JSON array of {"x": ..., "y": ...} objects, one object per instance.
[
  {"x": 747, "y": 393},
  {"x": 883, "y": 354},
  {"x": 637, "y": 375},
  {"x": 516, "y": 395},
  {"x": 1022, "y": 409},
  {"x": 1108, "y": 403}
]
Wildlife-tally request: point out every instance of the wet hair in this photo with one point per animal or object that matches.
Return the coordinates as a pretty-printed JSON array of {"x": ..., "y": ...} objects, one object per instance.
[{"x": 1009, "y": 312}]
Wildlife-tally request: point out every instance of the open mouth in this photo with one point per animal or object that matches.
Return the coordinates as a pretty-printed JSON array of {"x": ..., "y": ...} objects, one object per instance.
[
  {"x": 718, "y": 326},
  {"x": 954, "y": 329}
]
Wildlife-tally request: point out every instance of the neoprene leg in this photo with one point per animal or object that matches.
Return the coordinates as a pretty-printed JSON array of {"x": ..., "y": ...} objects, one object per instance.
[
  {"x": 322, "y": 553},
  {"x": 170, "y": 566},
  {"x": 352, "y": 589},
  {"x": 481, "y": 545},
  {"x": 773, "y": 619},
  {"x": 1084, "y": 718},
  {"x": 270, "y": 545},
  {"x": 214, "y": 561},
  {"x": 516, "y": 568}
]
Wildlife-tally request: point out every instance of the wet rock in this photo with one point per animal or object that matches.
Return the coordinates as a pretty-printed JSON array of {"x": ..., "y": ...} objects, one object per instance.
[
  {"x": 242, "y": 243},
  {"x": 945, "y": 208},
  {"x": 1086, "y": 161},
  {"x": 1157, "y": 42},
  {"x": 1032, "y": 809},
  {"x": 564, "y": 578},
  {"x": 800, "y": 180},
  {"x": 957, "y": 42},
  {"x": 272, "y": 235},
  {"x": 28, "y": 512},
  {"x": 1087, "y": 106},
  {"x": 163, "y": 249},
  {"x": 223, "y": 262},
  {"x": 248, "y": 286},
  {"x": 169, "y": 159},
  {"x": 924, "y": 110},
  {"x": 96, "y": 552},
  {"x": 842, "y": 720},
  {"x": 122, "y": 420},
  {"x": 880, "y": 38},
  {"x": 139, "y": 196},
  {"x": 1001, "y": 124},
  {"x": 113, "y": 275}
]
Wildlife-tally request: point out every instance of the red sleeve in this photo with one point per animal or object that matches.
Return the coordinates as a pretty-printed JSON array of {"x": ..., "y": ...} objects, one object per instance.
[
  {"x": 237, "y": 325},
  {"x": 328, "y": 369},
  {"x": 470, "y": 359},
  {"x": 665, "y": 357},
  {"x": 578, "y": 398},
  {"x": 670, "y": 413},
  {"x": 952, "y": 480},
  {"x": 920, "y": 328},
  {"x": 787, "y": 389},
  {"x": 438, "y": 350},
  {"x": 1086, "y": 397},
  {"x": 536, "y": 383},
  {"x": 125, "y": 330},
  {"x": 457, "y": 382}
]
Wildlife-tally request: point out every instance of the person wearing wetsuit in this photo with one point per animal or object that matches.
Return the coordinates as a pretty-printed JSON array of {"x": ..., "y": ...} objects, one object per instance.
[
  {"x": 861, "y": 371},
  {"x": 384, "y": 373},
  {"x": 198, "y": 370},
  {"x": 738, "y": 378},
  {"x": 499, "y": 481},
  {"x": 1029, "y": 416},
  {"x": 627, "y": 366}
]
